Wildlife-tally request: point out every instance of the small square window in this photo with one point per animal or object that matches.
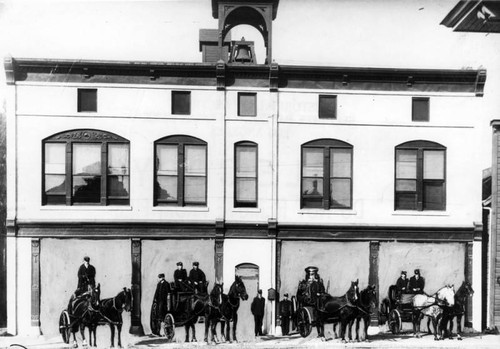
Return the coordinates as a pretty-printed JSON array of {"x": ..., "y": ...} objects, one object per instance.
[
  {"x": 327, "y": 107},
  {"x": 87, "y": 100},
  {"x": 247, "y": 104},
  {"x": 181, "y": 102},
  {"x": 420, "y": 109}
]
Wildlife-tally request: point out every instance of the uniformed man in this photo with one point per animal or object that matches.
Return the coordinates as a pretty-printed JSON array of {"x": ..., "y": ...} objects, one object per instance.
[
  {"x": 285, "y": 311},
  {"x": 315, "y": 285},
  {"x": 197, "y": 278},
  {"x": 180, "y": 277},
  {"x": 402, "y": 284},
  {"x": 161, "y": 295},
  {"x": 86, "y": 276},
  {"x": 257, "y": 308},
  {"x": 417, "y": 283}
]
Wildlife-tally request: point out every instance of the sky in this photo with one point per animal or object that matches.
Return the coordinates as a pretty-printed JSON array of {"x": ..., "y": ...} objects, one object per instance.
[{"x": 359, "y": 33}]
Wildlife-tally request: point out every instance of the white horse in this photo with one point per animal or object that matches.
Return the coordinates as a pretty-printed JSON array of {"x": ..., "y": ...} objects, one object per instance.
[{"x": 431, "y": 306}]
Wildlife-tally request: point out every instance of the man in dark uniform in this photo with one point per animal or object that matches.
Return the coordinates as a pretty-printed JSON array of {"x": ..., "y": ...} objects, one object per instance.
[
  {"x": 197, "y": 278},
  {"x": 285, "y": 313},
  {"x": 417, "y": 283},
  {"x": 86, "y": 276},
  {"x": 315, "y": 285},
  {"x": 180, "y": 277},
  {"x": 161, "y": 295},
  {"x": 402, "y": 284},
  {"x": 257, "y": 308}
]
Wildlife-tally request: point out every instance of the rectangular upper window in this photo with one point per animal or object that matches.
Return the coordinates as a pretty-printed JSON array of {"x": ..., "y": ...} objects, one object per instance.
[
  {"x": 181, "y": 102},
  {"x": 247, "y": 104},
  {"x": 87, "y": 100},
  {"x": 420, "y": 109},
  {"x": 327, "y": 107}
]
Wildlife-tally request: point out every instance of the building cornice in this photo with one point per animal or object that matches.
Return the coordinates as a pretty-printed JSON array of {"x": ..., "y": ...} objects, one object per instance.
[{"x": 220, "y": 75}]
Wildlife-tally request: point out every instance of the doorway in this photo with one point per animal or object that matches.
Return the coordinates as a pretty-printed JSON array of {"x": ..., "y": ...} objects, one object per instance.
[{"x": 249, "y": 274}]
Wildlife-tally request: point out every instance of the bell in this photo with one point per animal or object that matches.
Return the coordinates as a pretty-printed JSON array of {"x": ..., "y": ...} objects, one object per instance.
[{"x": 243, "y": 54}]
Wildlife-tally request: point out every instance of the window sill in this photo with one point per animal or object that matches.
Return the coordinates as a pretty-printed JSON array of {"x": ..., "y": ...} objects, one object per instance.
[
  {"x": 181, "y": 208},
  {"x": 246, "y": 209},
  {"x": 85, "y": 208},
  {"x": 421, "y": 213},
  {"x": 327, "y": 212}
]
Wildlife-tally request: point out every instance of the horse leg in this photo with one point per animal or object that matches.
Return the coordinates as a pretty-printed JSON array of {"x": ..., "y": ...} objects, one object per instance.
[
  {"x": 82, "y": 332},
  {"x": 119, "y": 327},
  {"x": 459, "y": 327},
  {"x": 367, "y": 324},
  {"x": 228, "y": 325},
  {"x": 435, "y": 325},
  {"x": 186, "y": 328},
  {"x": 207, "y": 325},
  {"x": 429, "y": 326},
  {"x": 335, "y": 330},
  {"x": 112, "y": 329},
  {"x": 343, "y": 325},
  {"x": 75, "y": 343},
  {"x": 223, "y": 331},
  {"x": 235, "y": 323}
]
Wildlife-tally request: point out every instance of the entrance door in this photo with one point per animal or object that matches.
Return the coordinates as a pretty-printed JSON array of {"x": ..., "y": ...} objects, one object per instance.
[{"x": 249, "y": 274}]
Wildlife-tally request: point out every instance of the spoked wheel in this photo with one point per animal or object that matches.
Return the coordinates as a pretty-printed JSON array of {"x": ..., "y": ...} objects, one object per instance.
[
  {"x": 154, "y": 321},
  {"x": 304, "y": 322},
  {"x": 169, "y": 327},
  {"x": 394, "y": 321},
  {"x": 64, "y": 326}
]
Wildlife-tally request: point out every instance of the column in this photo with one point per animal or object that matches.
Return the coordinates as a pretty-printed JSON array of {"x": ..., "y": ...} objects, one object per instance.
[
  {"x": 135, "y": 315},
  {"x": 373, "y": 276},
  {"x": 35, "y": 285}
]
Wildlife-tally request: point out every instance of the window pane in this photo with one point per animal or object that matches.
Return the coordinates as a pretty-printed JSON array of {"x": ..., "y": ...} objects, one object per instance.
[
  {"x": 406, "y": 185},
  {"x": 86, "y": 159},
  {"x": 194, "y": 189},
  {"x": 166, "y": 159},
  {"x": 406, "y": 201},
  {"x": 433, "y": 164},
  {"x": 166, "y": 188},
  {"x": 340, "y": 193},
  {"x": 247, "y": 104},
  {"x": 87, "y": 189},
  {"x": 181, "y": 102},
  {"x": 246, "y": 189},
  {"x": 434, "y": 196},
  {"x": 340, "y": 160},
  {"x": 328, "y": 107},
  {"x": 312, "y": 187},
  {"x": 246, "y": 161},
  {"x": 118, "y": 159},
  {"x": 87, "y": 100},
  {"x": 55, "y": 184},
  {"x": 55, "y": 158},
  {"x": 118, "y": 186},
  {"x": 420, "y": 109},
  {"x": 406, "y": 164},
  {"x": 312, "y": 162},
  {"x": 195, "y": 160}
]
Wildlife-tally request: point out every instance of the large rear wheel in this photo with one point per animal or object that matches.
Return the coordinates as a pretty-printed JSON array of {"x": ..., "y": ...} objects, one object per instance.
[
  {"x": 169, "y": 327},
  {"x": 64, "y": 326},
  {"x": 154, "y": 321},
  {"x": 304, "y": 322},
  {"x": 394, "y": 321}
]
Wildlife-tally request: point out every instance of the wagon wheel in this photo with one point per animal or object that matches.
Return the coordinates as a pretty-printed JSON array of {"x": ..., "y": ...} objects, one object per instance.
[
  {"x": 304, "y": 322},
  {"x": 155, "y": 322},
  {"x": 394, "y": 321},
  {"x": 169, "y": 327},
  {"x": 64, "y": 326}
]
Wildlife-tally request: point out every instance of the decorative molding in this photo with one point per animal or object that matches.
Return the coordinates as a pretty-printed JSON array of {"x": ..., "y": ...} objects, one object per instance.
[
  {"x": 272, "y": 227},
  {"x": 468, "y": 271},
  {"x": 373, "y": 276},
  {"x": 35, "y": 282},
  {"x": 480, "y": 82},
  {"x": 219, "y": 259},
  {"x": 11, "y": 226},
  {"x": 90, "y": 135},
  {"x": 274, "y": 77},
  {"x": 220, "y": 73}
]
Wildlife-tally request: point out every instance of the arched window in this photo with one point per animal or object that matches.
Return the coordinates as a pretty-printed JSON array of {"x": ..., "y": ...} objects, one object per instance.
[
  {"x": 326, "y": 174},
  {"x": 420, "y": 176},
  {"x": 180, "y": 171},
  {"x": 245, "y": 174},
  {"x": 86, "y": 167}
]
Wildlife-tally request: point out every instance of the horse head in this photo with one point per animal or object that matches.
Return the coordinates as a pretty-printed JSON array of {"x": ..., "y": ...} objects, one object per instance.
[
  {"x": 369, "y": 296},
  {"x": 127, "y": 301},
  {"x": 446, "y": 295},
  {"x": 467, "y": 288},
  {"x": 216, "y": 293},
  {"x": 95, "y": 295},
  {"x": 353, "y": 292},
  {"x": 238, "y": 289}
]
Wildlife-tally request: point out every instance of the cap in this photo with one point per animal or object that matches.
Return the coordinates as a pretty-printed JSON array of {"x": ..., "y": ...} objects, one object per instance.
[
  {"x": 161, "y": 275},
  {"x": 196, "y": 264},
  {"x": 285, "y": 295},
  {"x": 403, "y": 272},
  {"x": 417, "y": 271},
  {"x": 86, "y": 259},
  {"x": 311, "y": 269},
  {"x": 179, "y": 263},
  {"x": 259, "y": 291}
]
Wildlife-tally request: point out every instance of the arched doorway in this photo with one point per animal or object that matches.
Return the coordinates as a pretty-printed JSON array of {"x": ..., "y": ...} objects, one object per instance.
[{"x": 249, "y": 273}]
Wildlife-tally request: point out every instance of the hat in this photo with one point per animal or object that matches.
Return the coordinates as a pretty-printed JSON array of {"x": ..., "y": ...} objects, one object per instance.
[
  {"x": 403, "y": 272},
  {"x": 196, "y": 263},
  {"x": 86, "y": 259},
  {"x": 179, "y": 263},
  {"x": 311, "y": 269},
  {"x": 161, "y": 275},
  {"x": 285, "y": 295},
  {"x": 259, "y": 291},
  {"x": 417, "y": 271}
]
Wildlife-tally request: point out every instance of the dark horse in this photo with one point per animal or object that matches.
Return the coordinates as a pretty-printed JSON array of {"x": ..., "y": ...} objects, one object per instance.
[
  {"x": 341, "y": 309},
  {"x": 110, "y": 313},
  {"x": 457, "y": 310},
  {"x": 84, "y": 312},
  {"x": 367, "y": 301},
  {"x": 224, "y": 308}
]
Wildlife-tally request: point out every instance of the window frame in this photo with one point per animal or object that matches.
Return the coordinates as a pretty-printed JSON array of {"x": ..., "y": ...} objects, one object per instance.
[
  {"x": 326, "y": 145},
  {"x": 181, "y": 141},
  {"x": 85, "y": 136},
  {"x": 80, "y": 92},
  {"x": 414, "y": 100},
  {"x": 252, "y": 94},
  {"x": 421, "y": 146},
  {"x": 246, "y": 144},
  {"x": 178, "y": 93},
  {"x": 324, "y": 97}
]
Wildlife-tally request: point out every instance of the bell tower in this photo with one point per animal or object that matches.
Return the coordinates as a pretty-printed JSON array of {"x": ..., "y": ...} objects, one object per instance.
[{"x": 259, "y": 14}]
